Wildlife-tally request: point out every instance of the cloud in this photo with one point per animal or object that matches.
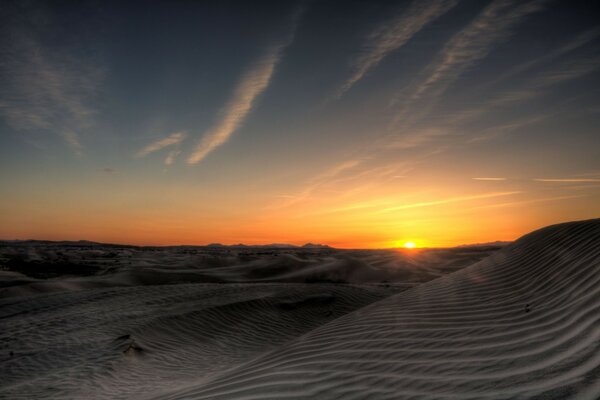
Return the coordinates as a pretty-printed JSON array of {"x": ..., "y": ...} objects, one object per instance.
[
  {"x": 109, "y": 171},
  {"x": 46, "y": 89},
  {"x": 393, "y": 35},
  {"x": 449, "y": 200},
  {"x": 324, "y": 178},
  {"x": 573, "y": 44},
  {"x": 253, "y": 83},
  {"x": 445, "y": 72},
  {"x": 493, "y": 25},
  {"x": 550, "y": 180},
  {"x": 472, "y": 44},
  {"x": 173, "y": 139},
  {"x": 567, "y": 71},
  {"x": 566, "y": 180},
  {"x": 518, "y": 203},
  {"x": 571, "y": 69},
  {"x": 170, "y": 159},
  {"x": 416, "y": 138},
  {"x": 73, "y": 141}
]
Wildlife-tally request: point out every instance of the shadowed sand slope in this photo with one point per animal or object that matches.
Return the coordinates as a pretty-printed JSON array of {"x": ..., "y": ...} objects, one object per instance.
[
  {"x": 523, "y": 323},
  {"x": 123, "y": 343}
]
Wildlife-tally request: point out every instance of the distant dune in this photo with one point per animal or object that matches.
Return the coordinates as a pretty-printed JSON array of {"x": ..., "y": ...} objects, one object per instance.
[
  {"x": 523, "y": 323},
  {"x": 30, "y": 267}
]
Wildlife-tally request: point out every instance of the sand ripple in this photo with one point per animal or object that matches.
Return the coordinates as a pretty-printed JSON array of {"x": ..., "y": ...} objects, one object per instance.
[
  {"x": 134, "y": 341},
  {"x": 523, "y": 323}
]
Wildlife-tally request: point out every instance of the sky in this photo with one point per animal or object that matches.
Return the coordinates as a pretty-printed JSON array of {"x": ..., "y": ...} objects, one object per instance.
[{"x": 360, "y": 124}]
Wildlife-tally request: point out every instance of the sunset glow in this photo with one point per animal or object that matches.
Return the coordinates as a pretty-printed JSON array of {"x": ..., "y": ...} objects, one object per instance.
[{"x": 420, "y": 125}]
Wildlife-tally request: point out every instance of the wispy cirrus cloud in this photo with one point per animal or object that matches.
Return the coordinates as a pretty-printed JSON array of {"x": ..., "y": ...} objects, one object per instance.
[
  {"x": 393, "y": 35},
  {"x": 562, "y": 72},
  {"x": 567, "y": 71},
  {"x": 170, "y": 159},
  {"x": 46, "y": 89},
  {"x": 494, "y": 24},
  {"x": 73, "y": 141},
  {"x": 532, "y": 201},
  {"x": 569, "y": 46},
  {"x": 253, "y": 83},
  {"x": 317, "y": 182},
  {"x": 566, "y": 180},
  {"x": 470, "y": 45},
  {"x": 172, "y": 140},
  {"x": 506, "y": 13},
  {"x": 548, "y": 180},
  {"x": 449, "y": 200}
]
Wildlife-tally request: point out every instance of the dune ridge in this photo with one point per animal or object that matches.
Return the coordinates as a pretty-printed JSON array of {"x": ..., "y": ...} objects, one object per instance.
[{"x": 522, "y": 323}]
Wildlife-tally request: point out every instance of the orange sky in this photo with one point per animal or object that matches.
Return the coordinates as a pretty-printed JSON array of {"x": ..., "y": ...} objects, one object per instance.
[
  {"x": 442, "y": 123},
  {"x": 363, "y": 213}
]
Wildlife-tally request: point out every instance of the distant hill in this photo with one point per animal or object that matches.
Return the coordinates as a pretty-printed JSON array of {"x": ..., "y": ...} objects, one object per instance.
[
  {"x": 315, "y": 246},
  {"x": 87, "y": 243}
]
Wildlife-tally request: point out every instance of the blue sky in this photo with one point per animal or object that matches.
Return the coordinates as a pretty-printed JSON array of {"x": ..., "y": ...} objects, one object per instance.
[{"x": 244, "y": 121}]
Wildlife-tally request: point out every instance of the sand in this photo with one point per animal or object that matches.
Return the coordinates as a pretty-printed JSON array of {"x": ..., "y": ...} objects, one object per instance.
[{"x": 523, "y": 322}]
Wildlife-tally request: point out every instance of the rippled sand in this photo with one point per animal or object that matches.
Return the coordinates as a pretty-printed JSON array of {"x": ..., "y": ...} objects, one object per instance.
[
  {"x": 522, "y": 323},
  {"x": 130, "y": 342}
]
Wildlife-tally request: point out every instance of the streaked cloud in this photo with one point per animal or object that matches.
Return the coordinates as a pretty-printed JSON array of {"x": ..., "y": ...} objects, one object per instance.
[
  {"x": 550, "y": 180},
  {"x": 253, "y": 83},
  {"x": 393, "y": 35},
  {"x": 570, "y": 70},
  {"x": 448, "y": 200},
  {"x": 171, "y": 140},
  {"x": 170, "y": 159},
  {"x": 416, "y": 138},
  {"x": 532, "y": 201},
  {"x": 492, "y": 26},
  {"x": 566, "y": 180},
  {"x": 72, "y": 140},
  {"x": 318, "y": 182},
  {"x": 46, "y": 89},
  {"x": 573, "y": 44},
  {"x": 500, "y": 129}
]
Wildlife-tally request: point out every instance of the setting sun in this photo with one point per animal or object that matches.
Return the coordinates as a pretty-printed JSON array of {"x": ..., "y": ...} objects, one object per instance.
[{"x": 410, "y": 245}]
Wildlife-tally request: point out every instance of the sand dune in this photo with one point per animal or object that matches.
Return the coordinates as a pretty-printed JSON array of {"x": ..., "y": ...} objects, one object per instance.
[
  {"x": 129, "y": 342},
  {"x": 32, "y": 267},
  {"x": 523, "y": 323}
]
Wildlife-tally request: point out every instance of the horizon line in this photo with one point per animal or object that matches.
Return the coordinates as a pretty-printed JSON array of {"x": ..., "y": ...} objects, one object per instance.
[{"x": 273, "y": 245}]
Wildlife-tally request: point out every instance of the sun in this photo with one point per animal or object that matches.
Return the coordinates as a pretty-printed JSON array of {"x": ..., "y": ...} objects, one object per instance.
[{"x": 410, "y": 245}]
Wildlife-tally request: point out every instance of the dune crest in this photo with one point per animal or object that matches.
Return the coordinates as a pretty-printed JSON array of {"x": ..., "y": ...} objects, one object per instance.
[{"x": 522, "y": 323}]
